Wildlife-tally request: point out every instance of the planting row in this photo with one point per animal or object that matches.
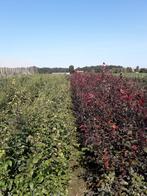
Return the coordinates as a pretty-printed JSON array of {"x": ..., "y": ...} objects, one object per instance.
[
  {"x": 111, "y": 120},
  {"x": 36, "y": 127}
]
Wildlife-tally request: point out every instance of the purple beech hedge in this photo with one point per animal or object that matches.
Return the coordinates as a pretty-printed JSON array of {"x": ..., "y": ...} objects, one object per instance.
[{"x": 111, "y": 119}]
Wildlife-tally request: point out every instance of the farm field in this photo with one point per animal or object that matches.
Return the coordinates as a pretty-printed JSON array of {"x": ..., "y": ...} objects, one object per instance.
[
  {"x": 134, "y": 75},
  {"x": 50, "y": 124},
  {"x": 140, "y": 78}
]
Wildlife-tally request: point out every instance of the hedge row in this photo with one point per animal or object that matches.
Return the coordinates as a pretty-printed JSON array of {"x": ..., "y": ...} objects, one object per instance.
[
  {"x": 36, "y": 127},
  {"x": 111, "y": 121}
]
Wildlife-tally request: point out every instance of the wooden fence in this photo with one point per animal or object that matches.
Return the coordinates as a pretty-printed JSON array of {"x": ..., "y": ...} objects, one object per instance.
[{"x": 5, "y": 71}]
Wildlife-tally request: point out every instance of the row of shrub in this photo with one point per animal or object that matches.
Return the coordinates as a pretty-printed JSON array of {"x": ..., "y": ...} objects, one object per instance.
[
  {"x": 36, "y": 127},
  {"x": 111, "y": 121}
]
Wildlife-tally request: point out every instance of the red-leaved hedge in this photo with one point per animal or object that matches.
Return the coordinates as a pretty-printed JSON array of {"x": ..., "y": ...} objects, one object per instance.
[{"x": 111, "y": 120}]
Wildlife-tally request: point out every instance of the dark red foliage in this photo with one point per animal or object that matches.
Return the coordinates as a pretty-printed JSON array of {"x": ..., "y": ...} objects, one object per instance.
[{"x": 111, "y": 115}]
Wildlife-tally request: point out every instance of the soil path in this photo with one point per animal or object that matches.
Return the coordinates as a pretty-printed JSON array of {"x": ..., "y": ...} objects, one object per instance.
[{"x": 77, "y": 185}]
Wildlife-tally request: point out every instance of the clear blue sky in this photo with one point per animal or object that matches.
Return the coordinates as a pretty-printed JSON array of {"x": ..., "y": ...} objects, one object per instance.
[{"x": 79, "y": 32}]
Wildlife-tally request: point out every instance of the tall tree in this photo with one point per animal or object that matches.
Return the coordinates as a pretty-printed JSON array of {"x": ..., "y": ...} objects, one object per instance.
[{"x": 71, "y": 69}]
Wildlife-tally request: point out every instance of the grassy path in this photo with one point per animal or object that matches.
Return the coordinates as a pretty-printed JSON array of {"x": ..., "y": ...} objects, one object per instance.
[{"x": 77, "y": 185}]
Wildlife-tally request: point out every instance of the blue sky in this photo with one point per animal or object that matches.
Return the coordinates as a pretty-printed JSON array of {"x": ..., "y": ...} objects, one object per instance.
[{"x": 79, "y": 32}]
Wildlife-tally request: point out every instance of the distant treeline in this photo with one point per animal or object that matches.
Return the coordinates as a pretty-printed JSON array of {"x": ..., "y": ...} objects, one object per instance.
[
  {"x": 53, "y": 70},
  {"x": 4, "y": 71},
  {"x": 113, "y": 68},
  {"x": 97, "y": 68}
]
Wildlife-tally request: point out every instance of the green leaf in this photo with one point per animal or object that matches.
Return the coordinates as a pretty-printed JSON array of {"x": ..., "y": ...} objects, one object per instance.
[{"x": 31, "y": 185}]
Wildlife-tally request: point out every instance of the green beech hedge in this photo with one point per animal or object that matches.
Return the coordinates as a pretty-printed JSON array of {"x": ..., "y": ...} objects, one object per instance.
[{"x": 36, "y": 125}]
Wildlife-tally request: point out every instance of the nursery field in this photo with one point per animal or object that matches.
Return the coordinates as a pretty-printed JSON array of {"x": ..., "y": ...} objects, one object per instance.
[{"x": 49, "y": 122}]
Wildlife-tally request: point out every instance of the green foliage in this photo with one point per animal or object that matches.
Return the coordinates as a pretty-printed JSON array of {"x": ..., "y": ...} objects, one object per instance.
[
  {"x": 71, "y": 69},
  {"x": 36, "y": 125}
]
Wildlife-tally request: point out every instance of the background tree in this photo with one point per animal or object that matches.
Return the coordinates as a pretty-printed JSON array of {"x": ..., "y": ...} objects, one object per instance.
[
  {"x": 137, "y": 69},
  {"x": 129, "y": 70},
  {"x": 143, "y": 70},
  {"x": 71, "y": 69}
]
